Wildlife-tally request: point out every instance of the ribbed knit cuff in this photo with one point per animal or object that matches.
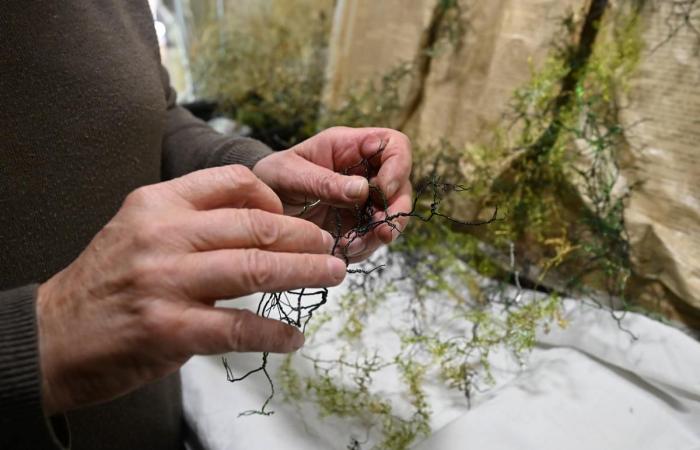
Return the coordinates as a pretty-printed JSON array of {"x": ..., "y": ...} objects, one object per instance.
[
  {"x": 22, "y": 420},
  {"x": 245, "y": 151}
]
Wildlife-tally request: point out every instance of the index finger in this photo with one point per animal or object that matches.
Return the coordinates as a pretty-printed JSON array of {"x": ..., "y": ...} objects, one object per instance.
[{"x": 232, "y": 186}]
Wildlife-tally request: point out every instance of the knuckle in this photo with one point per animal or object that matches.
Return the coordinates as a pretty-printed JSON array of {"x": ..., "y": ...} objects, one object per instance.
[
  {"x": 260, "y": 269},
  {"x": 147, "y": 258},
  {"x": 139, "y": 196},
  {"x": 154, "y": 282},
  {"x": 337, "y": 129},
  {"x": 399, "y": 136},
  {"x": 316, "y": 271},
  {"x": 405, "y": 142},
  {"x": 148, "y": 234},
  {"x": 160, "y": 324},
  {"x": 153, "y": 321},
  {"x": 328, "y": 182},
  {"x": 241, "y": 176},
  {"x": 148, "y": 269},
  {"x": 263, "y": 230},
  {"x": 237, "y": 332},
  {"x": 140, "y": 274},
  {"x": 402, "y": 136}
]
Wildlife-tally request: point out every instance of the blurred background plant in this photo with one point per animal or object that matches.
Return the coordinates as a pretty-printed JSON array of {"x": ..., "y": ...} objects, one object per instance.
[{"x": 267, "y": 71}]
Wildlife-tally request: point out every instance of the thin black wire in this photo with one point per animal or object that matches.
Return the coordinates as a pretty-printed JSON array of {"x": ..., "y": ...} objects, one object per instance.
[{"x": 297, "y": 307}]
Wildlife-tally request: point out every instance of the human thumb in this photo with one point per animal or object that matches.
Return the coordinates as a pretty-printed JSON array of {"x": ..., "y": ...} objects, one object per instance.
[{"x": 331, "y": 187}]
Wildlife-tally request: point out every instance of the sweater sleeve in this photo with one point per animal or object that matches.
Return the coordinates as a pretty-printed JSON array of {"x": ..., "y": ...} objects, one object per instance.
[
  {"x": 23, "y": 423},
  {"x": 190, "y": 144}
]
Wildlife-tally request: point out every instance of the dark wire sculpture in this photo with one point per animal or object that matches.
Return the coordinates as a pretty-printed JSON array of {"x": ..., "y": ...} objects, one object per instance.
[{"x": 296, "y": 307}]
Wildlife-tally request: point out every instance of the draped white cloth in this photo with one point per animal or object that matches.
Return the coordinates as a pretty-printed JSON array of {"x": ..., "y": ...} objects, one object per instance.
[{"x": 589, "y": 386}]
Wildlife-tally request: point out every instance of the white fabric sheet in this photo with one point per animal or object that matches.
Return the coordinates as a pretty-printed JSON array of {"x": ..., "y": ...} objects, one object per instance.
[{"x": 588, "y": 386}]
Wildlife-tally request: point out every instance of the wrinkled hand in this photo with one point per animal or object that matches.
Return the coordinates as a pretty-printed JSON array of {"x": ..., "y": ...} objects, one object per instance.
[
  {"x": 309, "y": 172},
  {"x": 139, "y": 301}
]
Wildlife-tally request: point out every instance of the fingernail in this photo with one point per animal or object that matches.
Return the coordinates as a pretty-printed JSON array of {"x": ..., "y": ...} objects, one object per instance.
[
  {"x": 391, "y": 188},
  {"x": 297, "y": 341},
  {"x": 336, "y": 269},
  {"x": 328, "y": 241},
  {"x": 355, "y": 187}
]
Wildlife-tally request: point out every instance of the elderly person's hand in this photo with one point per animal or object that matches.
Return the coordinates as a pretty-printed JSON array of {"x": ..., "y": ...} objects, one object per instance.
[
  {"x": 309, "y": 172},
  {"x": 139, "y": 301}
]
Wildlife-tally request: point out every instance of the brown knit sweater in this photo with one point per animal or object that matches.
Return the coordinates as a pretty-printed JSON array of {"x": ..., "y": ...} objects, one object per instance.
[{"x": 86, "y": 116}]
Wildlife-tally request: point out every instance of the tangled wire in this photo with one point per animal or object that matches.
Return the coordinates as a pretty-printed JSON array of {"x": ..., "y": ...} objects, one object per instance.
[{"x": 296, "y": 307}]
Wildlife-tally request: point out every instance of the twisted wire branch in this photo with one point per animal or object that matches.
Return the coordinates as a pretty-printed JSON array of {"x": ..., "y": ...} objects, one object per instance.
[{"x": 296, "y": 307}]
